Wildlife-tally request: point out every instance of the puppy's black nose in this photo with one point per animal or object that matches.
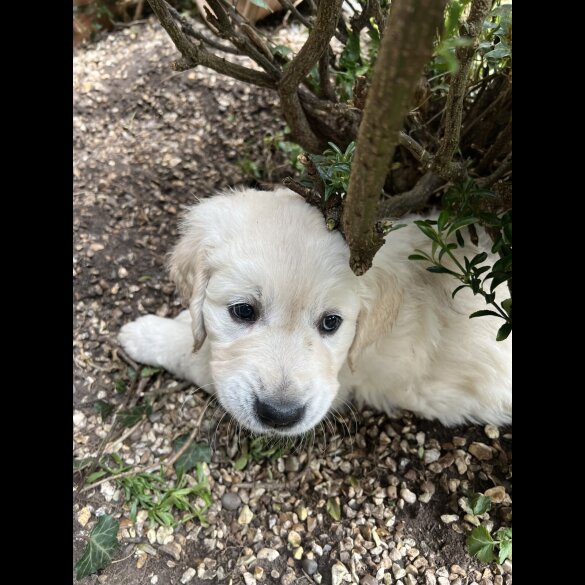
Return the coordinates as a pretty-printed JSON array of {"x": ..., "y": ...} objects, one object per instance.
[{"x": 279, "y": 416}]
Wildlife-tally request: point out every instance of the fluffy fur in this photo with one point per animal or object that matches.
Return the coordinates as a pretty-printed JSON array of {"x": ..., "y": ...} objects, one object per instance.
[{"x": 403, "y": 343}]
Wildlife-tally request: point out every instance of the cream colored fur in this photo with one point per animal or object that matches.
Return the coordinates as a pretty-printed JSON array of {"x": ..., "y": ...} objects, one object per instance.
[{"x": 403, "y": 343}]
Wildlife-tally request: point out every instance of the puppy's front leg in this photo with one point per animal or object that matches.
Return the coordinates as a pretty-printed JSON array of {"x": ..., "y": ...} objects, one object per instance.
[{"x": 168, "y": 344}]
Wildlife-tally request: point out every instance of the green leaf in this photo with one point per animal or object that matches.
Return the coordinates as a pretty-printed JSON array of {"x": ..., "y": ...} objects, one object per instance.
[
  {"x": 103, "y": 408},
  {"x": 480, "y": 544},
  {"x": 426, "y": 229},
  {"x": 505, "y": 551},
  {"x": 241, "y": 462},
  {"x": 442, "y": 220},
  {"x": 195, "y": 453},
  {"x": 440, "y": 270},
  {"x": 500, "y": 52},
  {"x": 457, "y": 290},
  {"x": 333, "y": 509},
  {"x": 147, "y": 372},
  {"x": 507, "y": 306},
  {"x": 461, "y": 223},
  {"x": 504, "y": 331},
  {"x": 79, "y": 464},
  {"x": 419, "y": 257},
  {"x": 130, "y": 417},
  {"x": 261, "y": 4},
  {"x": 480, "y": 504},
  {"x": 478, "y": 259},
  {"x": 281, "y": 50},
  {"x": 100, "y": 548},
  {"x": 484, "y": 313},
  {"x": 120, "y": 386},
  {"x": 95, "y": 476},
  {"x": 504, "y": 533}
]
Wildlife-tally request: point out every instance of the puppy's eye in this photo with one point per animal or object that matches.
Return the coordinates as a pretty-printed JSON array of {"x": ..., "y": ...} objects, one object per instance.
[
  {"x": 243, "y": 312},
  {"x": 330, "y": 323}
]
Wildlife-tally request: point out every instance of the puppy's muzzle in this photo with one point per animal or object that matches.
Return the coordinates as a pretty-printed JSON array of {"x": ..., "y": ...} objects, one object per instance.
[{"x": 279, "y": 416}]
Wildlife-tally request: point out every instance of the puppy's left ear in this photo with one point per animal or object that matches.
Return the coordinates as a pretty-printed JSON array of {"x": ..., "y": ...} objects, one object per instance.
[
  {"x": 190, "y": 271},
  {"x": 381, "y": 298}
]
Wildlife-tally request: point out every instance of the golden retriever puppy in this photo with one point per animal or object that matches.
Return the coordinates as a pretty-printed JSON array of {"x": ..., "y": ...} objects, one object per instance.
[{"x": 281, "y": 329}]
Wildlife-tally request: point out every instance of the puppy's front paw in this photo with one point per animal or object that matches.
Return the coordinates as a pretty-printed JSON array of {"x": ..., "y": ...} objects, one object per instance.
[{"x": 141, "y": 339}]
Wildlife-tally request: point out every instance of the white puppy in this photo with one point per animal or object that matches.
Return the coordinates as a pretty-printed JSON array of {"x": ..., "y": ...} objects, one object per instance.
[{"x": 281, "y": 329}]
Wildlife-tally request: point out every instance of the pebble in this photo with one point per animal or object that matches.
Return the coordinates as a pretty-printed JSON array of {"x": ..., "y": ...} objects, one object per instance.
[
  {"x": 339, "y": 573},
  {"x": 245, "y": 516},
  {"x": 481, "y": 451},
  {"x": 294, "y": 539},
  {"x": 289, "y": 577},
  {"x": 231, "y": 501},
  {"x": 398, "y": 571},
  {"x": 188, "y": 575},
  {"x": 172, "y": 549},
  {"x": 249, "y": 579},
  {"x": 310, "y": 566},
  {"x": 449, "y": 518},
  {"x": 496, "y": 494},
  {"x": 408, "y": 496},
  {"x": 491, "y": 431},
  {"x": 79, "y": 419},
  {"x": 431, "y": 455},
  {"x": 430, "y": 579},
  {"x": 83, "y": 516},
  {"x": 268, "y": 554}
]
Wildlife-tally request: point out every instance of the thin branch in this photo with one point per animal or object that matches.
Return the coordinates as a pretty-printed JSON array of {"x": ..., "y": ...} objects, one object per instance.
[
  {"x": 189, "y": 30},
  {"x": 500, "y": 145},
  {"x": 299, "y": 68},
  {"x": 404, "y": 51},
  {"x": 309, "y": 195},
  {"x": 325, "y": 86},
  {"x": 287, "y": 5},
  {"x": 471, "y": 29},
  {"x": 413, "y": 200},
  {"x": 505, "y": 167},
  {"x": 194, "y": 55}
]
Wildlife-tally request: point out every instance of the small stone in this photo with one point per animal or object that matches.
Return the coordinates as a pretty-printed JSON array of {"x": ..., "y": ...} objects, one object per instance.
[
  {"x": 431, "y": 455},
  {"x": 398, "y": 571},
  {"x": 449, "y": 518},
  {"x": 338, "y": 573},
  {"x": 122, "y": 272},
  {"x": 172, "y": 549},
  {"x": 302, "y": 513},
  {"x": 188, "y": 575},
  {"x": 481, "y": 451},
  {"x": 154, "y": 580},
  {"x": 458, "y": 570},
  {"x": 141, "y": 560},
  {"x": 245, "y": 516},
  {"x": 496, "y": 494},
  {"x": 368, "y": 580},
  {"x": 443, "y": 581},
  {"x": 292, "y": 463},
  {"x": 394, "y": 555},
  {"x": 408, "y": 496},
  {"x": 310, "y": 566},
  {"x": 472, "y": 519},
  {"x": 231, "y": 501},
  {"x": 268, "y": 554},
  {"x": 491, "y": 431},
  {"x": 249, "y": 579},
  {"x": 294, "y": 538},
  {"x": 79, "y": 419},
  {"x": 258, "y": 573},
  {"x": 83, "y": 516},
  {"x": 425, "y": 497},
  {"x": 298, "y": 553},
  {"x": 164, "y": 535},
  {"x": 507, "y": 567},
  {"x": 288, "y": 578},
  {"x": 430, "y": 579},
  {"x": 410, "y": 579}
]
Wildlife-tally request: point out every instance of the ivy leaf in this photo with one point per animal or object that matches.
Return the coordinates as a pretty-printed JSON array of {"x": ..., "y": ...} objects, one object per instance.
[
  {"x": 130, "y": 417},
  {"x": 100, "y": 548},
  {"x": 505, "y": 551},
  {"x": 103, "y": 408},
  {"x": 333, "y": 509},
  {"x": 480, "y": 504},
  {"x": 480, "y": 544},
  {"x": 195, "y": 453},
  {"x": 147, "y": 372}
]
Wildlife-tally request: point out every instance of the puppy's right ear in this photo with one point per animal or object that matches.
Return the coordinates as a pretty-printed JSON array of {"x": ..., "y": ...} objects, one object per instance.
[{"x": 189, "y": 269}]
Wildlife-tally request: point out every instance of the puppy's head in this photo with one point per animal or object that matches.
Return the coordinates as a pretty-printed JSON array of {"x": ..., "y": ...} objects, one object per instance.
[{"x": 270, "y": 290}]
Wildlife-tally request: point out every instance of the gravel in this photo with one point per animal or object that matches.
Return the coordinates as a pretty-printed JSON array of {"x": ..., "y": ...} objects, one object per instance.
[{"x": 147, "y": 141}]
